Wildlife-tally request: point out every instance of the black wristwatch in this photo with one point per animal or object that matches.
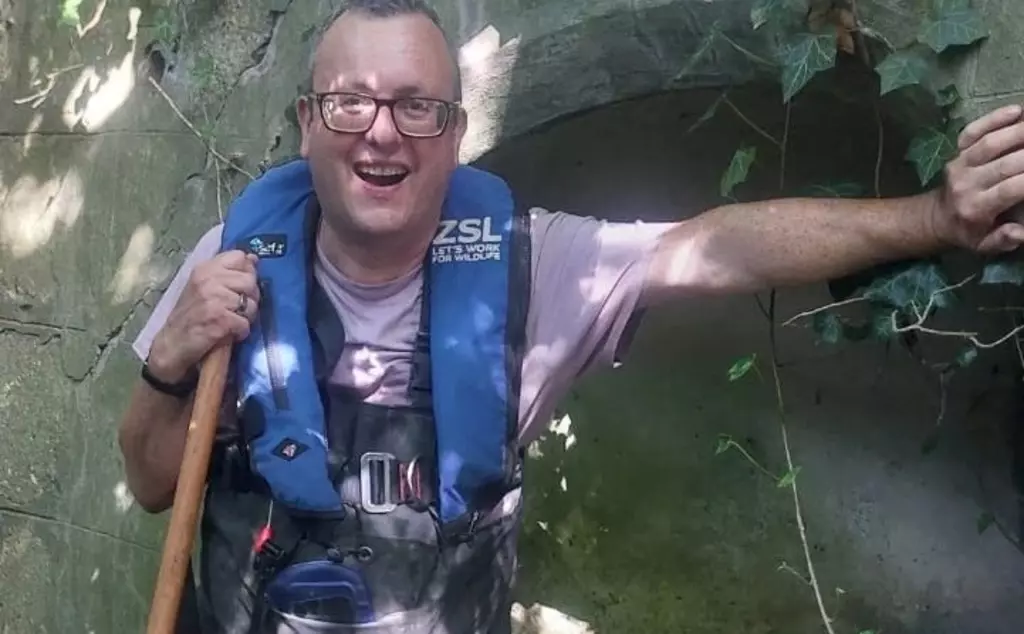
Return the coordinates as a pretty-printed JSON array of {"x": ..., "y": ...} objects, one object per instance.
[{"x": 180, "y": 389}]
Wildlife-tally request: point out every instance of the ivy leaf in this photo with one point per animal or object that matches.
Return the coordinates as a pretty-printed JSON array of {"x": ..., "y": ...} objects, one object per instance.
[
  {"x": 956, "y": 27},
  {"x": 915, "y": 285},
  {"x": 966, "y": 356},
  {"x": 947, "y": 96},
  {"x": 1003, "y": 273},
  {"x": 761, "y": 12},
  {"x": 739, "y": 169},
  {"x": 724, "y": 442},
  {"x": 828, "y": 327},
  {"x": 985, "y": 520},
  {"x": 164, "y": 26},
  {"x": 69, "y": 13},
  {"x": 882, "y": 326},
  {"x": 741, "y": 367},
  {"x": 776, "y": 12},
  {"x": 804, "y": 57},
  {"x": 902, "y": 68},
  {"x": 929, "y": 152},
  {"x": 767, "y": 11},
  {"x": 790, "y": 477}
]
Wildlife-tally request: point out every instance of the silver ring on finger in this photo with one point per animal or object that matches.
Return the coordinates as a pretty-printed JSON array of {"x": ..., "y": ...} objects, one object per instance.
[{"x": 243, "y": 303}]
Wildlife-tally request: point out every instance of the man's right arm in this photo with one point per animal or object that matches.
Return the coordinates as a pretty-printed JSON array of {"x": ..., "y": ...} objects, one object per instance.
[
  {"x": 152, "y": 440},
  {"x": 198, "y": 311}
]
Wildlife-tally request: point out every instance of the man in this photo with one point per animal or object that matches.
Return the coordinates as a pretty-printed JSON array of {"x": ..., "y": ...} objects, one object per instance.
[{"x": 380, "y": 143}]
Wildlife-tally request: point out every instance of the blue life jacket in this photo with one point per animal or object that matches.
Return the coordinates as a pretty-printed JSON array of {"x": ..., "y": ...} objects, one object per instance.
[{"x": 476, "y": 339}]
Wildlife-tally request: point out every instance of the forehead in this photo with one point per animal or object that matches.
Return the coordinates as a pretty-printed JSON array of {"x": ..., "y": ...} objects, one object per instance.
[{"x": 384, "y": 55}]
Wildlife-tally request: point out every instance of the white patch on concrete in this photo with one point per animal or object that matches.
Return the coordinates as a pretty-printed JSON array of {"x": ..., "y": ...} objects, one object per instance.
[
  {"x": 109, "y": 92},
  {"x": 32, "y": 211},
  {"x": 123, "y": 498},
  {"x": 542, "y": 619},
  {"x": 487, "y": 67},
  {"x": 133, "y": 270}
]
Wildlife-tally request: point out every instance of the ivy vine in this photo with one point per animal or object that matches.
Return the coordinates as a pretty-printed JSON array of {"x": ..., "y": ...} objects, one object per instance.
[{"x": 895, "y": 301}]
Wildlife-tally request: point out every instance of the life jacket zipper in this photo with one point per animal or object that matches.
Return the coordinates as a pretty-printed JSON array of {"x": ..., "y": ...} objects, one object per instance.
[{"x": 268, "y": 324}]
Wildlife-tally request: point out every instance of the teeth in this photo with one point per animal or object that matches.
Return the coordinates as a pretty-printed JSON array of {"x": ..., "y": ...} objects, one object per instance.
[{"x": 382, "y": 170}]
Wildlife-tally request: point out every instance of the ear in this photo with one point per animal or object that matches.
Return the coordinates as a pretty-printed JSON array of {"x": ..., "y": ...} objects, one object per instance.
[{"x": 304, "y": 110}]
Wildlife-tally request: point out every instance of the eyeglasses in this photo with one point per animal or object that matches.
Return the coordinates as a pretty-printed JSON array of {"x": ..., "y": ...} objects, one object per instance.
[{"x": 354, "y": 113}]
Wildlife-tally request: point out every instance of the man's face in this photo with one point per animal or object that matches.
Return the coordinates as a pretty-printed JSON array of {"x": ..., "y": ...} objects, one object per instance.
[{"x": 380, "y": 182}]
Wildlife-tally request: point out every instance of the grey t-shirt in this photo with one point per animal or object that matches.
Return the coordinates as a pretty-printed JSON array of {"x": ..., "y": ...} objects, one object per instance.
[{"x": 587, "y": 277}]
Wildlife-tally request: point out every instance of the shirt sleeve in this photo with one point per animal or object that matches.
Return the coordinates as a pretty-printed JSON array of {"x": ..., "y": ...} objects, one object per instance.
[
  {"x": 207, "y": 247},
  {"x": 588, "y": 276}
]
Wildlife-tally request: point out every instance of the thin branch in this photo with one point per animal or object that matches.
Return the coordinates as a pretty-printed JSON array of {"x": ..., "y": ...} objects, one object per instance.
[
  {"x": 918, "y": 326},
  {"x": 753, "y": 56},
  {"x": 51, "y": 82},
  {"x": 784, "y": 147},
  {"x": 760, "y": 306},
  {"x": 943, "y": 398},
  {"x": 821, "y": 309},
  {"x": 753, "y": 126},
  {"x": 1016, "y": 344},
  {"x": 220, "y": 204},
  {"x": 788, "y": 568},
  {"x": 986, "y": 498},
  {"x": 96, "y": 15},
  {"x": 813, "y": 578},
  {"x": 969, "y": 336},
  {"x": 196, "y": 132},
  {"x": 732, "y": 443}
]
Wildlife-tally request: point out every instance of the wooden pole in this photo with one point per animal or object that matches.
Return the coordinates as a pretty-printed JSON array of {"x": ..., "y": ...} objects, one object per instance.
[{"x": 188, "y": 495}]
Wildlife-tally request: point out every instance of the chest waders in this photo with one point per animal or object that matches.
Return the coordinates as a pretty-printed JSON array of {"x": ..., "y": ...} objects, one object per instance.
[{"x": 327, "y": 514}]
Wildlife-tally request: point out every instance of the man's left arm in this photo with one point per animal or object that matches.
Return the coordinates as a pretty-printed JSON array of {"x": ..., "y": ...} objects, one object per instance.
[{"x": 776, "y": 243}]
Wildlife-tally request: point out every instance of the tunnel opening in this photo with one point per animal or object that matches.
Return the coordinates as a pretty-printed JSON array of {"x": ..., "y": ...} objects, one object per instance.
[{"x": 859, "y": 413}]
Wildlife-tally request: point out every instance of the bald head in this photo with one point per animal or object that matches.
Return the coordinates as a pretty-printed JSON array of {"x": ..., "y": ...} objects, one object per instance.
[{"x": 382, "y": 9}]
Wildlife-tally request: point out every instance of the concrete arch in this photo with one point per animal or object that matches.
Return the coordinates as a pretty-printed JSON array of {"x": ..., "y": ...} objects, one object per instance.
[{"x": 524, "y": 68}]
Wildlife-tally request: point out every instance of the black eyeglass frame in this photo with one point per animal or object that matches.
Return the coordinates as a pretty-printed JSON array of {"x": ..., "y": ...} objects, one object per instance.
[{"x": 450, "y": 108}]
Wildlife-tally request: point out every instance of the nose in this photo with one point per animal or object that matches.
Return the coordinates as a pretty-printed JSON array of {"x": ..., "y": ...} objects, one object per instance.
[{"x": 383, "y": 133}]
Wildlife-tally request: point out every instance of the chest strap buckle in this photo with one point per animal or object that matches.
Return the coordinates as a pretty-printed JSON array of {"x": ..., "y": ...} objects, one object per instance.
[{"x": 385, "y": 482}]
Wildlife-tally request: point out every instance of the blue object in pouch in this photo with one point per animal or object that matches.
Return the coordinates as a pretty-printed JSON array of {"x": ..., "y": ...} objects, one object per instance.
[{"x": 322, "y": 590}]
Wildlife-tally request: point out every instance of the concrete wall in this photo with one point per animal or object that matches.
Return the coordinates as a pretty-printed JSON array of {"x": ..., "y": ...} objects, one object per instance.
[{"x": 103, "y": 188}]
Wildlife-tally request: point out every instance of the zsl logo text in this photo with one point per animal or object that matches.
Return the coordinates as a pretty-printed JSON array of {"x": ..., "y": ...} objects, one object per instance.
[{"x": 467, "y": 240}]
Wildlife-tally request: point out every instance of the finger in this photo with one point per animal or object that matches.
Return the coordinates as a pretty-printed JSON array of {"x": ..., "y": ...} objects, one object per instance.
[
  {"x": 240, "y": 304},
  {"x": 995, "y": 200},
  {"x": 1001, "y": 169},
  {"x": 995, "y": 144},
  {"x": 240, "y": 327},
  {"x": 1014, "y": 214},
  {"x": 238, "y": 260},
  {"x": 252, "y": 309},
  {"x": 240, "y": 282},
  {"x": 1006, "y": 238},
  {"x": 994, "y": 120}
]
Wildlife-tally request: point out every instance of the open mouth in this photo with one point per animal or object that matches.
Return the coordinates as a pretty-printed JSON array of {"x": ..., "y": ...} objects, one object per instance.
[{"x": 381, "y": 175}]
